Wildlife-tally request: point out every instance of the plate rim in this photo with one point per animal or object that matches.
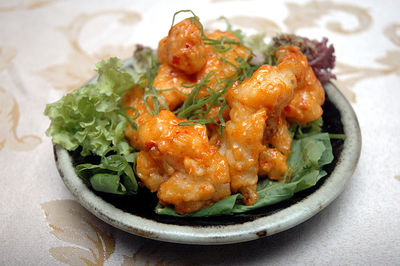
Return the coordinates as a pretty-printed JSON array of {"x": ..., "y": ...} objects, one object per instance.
[{"x": 226, "y": 234}]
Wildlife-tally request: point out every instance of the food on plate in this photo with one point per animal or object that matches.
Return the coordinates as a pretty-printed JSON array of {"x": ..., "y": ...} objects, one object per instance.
[{"x": 211, "y": 123}]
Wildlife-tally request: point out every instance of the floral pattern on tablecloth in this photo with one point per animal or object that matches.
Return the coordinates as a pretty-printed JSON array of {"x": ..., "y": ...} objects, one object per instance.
[{"x": 73, "y": 236}]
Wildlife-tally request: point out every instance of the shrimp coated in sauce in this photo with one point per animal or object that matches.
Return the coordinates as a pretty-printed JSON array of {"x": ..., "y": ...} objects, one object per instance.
[
  {"x": 191, "y": 70},
  {"x": 263, "y": 95},
  {"x": 179, "y": 163},
  {"x": 134, "y": 98},
  {"x": 183, "y": 48},
  {"x": 309, "y": 94}
]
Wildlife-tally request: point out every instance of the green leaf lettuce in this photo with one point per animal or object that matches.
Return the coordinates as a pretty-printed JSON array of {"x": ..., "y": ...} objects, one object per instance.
[{"x": 91, "y": 117}]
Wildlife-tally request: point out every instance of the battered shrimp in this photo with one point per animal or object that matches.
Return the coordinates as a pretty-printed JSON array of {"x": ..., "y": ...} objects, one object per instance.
[
  {"x": 272, "y": 164},
  {"x": 183, "y": 48},
  {"x": 133, "y": 98},
  {"x": 309, "y": 94},
  {"x": 180, "y": 164},
  {"x": 304, "y": 107},
  {"x": 270, "y": 87},
  {"x": 191, "y": 69},
  {"x": 272, "y": 161},
  {"x": 185, "y": 41},
  {"x": 277, "y": 134},
  {"x": 264, "y": 95},
  {"x": 241, "y": 145}
]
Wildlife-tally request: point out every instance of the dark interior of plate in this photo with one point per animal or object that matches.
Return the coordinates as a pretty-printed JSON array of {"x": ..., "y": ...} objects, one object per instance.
[{"x": 143, "y": 203}]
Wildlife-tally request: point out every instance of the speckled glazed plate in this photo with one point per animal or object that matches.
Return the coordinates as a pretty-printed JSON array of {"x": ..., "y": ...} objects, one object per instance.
[{"x": 135, "y": 214}]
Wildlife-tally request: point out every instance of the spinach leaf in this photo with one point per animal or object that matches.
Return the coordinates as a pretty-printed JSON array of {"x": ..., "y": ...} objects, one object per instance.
[
  {"x": 113, "y": 175},
  {"x": 107, "y": 183}
]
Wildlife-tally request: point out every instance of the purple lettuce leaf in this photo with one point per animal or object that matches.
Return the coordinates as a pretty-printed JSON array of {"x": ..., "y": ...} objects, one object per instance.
[{"x": 320, "y": 56}]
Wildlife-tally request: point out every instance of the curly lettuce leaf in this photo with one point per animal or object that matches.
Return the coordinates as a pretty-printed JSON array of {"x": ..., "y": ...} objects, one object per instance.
[
  {"x": 91, "y": 117},
  {"x": 310, "y": 151}
]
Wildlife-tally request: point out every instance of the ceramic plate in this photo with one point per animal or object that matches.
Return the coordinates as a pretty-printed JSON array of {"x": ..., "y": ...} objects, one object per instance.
[{"x": 135, "y": 214}]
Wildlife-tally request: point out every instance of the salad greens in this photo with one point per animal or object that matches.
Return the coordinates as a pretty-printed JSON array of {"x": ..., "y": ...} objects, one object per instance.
[
  {"x": 92, "y": 121},
  {"x": 91, "y": 116}
]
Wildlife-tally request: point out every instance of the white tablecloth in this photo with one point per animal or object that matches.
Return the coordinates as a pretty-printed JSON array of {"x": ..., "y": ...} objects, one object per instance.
[{"x": 49, "y": 47}]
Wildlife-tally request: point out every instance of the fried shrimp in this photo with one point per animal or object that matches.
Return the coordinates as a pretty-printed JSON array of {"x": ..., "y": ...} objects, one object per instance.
[
  {"x": 241, "y": 145},
  {"x": 272, "y": 163},
  {"x": 179, "y": 163},
  {"x": 134, "y": 100},
  {"x": 213, "y": 66},
  {"x": 309, "y": 94},
  {"x": 183, "y": 48},
  {"x": 263, "y": 95}
]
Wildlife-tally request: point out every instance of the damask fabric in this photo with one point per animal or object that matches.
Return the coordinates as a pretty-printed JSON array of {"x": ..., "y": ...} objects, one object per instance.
[{"x": 50, "y": 47}]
